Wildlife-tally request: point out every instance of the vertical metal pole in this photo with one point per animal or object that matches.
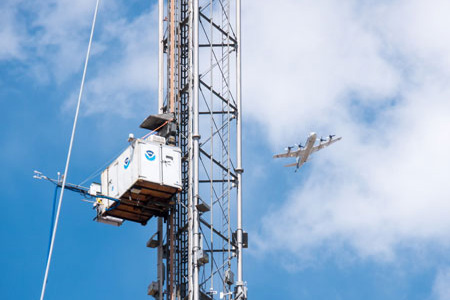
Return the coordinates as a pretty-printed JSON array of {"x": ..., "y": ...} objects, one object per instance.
[
  {"x": 160, "y": 259},
  {"x": 239, "y": 169},
  {"x": 171, "y": 255},
  {"x": 195, "y": 137},
  {"x": 172, "y": 58},
  {"x": 211, "y": 103},
  {"x": 160, "y": 56},
  {"x": 190, "y": 143},
  {"x": 190, "y": 222}
]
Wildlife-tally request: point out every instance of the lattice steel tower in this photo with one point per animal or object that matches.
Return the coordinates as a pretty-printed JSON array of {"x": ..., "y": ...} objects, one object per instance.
[{"x": 200, "y": 87}]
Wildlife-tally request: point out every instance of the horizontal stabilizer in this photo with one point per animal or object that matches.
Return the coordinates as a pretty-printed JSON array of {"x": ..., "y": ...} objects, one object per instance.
[{"x": 291, "y": 165}]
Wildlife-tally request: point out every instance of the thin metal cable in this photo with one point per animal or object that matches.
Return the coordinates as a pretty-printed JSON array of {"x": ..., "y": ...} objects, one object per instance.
[
  {"x": 100, "y": 169},
  {"x": 44, "y": 284}
]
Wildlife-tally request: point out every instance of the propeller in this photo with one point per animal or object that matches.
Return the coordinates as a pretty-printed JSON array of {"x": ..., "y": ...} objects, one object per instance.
[
  {"x": 288, "y": 148},
  {"x": 299, "y": 145},
  {"x": 330, "y": 137}
]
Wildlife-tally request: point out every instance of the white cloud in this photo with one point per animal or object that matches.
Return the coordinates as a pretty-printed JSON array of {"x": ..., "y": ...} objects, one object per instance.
[
  {"x": 357, "y": 69},
  {"x": 419, "y": 29},
  {"x": 11, "y": 33},
  {"x": 47, "y": 37},
  {"x": 308, "y": 62},
  {"x": 124, "y": 85},
  {"x": 61, "y": 32},
  {"x": 50, "y": 39},
  {"x": 122, "y": 69},
  {"x": 441, "y": 286}
]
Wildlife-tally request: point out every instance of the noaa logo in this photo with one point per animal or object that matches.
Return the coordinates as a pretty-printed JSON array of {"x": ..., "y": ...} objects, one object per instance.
[
  {"x": 126, "y": 163},
  {"x": 150, "y": 155}
]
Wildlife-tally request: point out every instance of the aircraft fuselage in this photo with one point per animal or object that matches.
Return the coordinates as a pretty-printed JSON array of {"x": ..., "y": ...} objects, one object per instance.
[{"x": 308, "y": 149}]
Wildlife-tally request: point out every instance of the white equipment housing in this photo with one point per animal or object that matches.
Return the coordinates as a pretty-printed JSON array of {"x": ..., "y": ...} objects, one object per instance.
[{"x": 146, "y": 172}]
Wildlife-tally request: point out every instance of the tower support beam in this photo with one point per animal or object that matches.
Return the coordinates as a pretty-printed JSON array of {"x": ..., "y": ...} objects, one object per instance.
[
  {"x": 240, "y": 288},
  {"x": 195, "y": 137}
]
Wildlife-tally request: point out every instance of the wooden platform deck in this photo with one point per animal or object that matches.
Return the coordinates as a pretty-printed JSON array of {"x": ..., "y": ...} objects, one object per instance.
[{"x": 143, "y": 201}]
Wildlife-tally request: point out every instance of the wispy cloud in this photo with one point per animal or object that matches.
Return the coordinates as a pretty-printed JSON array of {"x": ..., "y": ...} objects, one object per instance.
[
  {"x": 49, "y": 38},
  {"x": 357, "y": 69},
  {"x": 441, "y": 286},
  {"x": 315, "y": 59},
  {"x": 11, "y": 32},
  {"x": 123, "y": 82}
]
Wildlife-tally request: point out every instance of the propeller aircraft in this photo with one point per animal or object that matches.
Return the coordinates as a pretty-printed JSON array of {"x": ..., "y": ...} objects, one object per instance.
[{"x": 303, "y": 152}]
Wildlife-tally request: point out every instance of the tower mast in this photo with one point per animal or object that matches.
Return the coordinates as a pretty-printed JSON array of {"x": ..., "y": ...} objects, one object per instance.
[{"x": 204, "y": 234}]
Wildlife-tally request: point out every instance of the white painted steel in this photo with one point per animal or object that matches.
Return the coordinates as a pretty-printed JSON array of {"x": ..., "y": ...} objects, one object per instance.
[
  {"x": 195, "y": 136},
  {"x": 171, "y": 166},
  {"x": 151, "y": 162},
  {"x": 239, "y": 170},
  {"x": 94, "y": 189},
  {"x": 190, "y": 210}
]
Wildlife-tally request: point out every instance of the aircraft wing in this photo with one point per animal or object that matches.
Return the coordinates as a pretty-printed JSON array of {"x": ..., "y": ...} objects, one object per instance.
[
  {"x": 326, "y": 144},
  {"x": 296, "y": 153}
]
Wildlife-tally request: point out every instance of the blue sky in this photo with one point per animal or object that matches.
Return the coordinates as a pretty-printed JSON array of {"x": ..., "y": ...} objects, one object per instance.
[{"x": 366, "y": 219}]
